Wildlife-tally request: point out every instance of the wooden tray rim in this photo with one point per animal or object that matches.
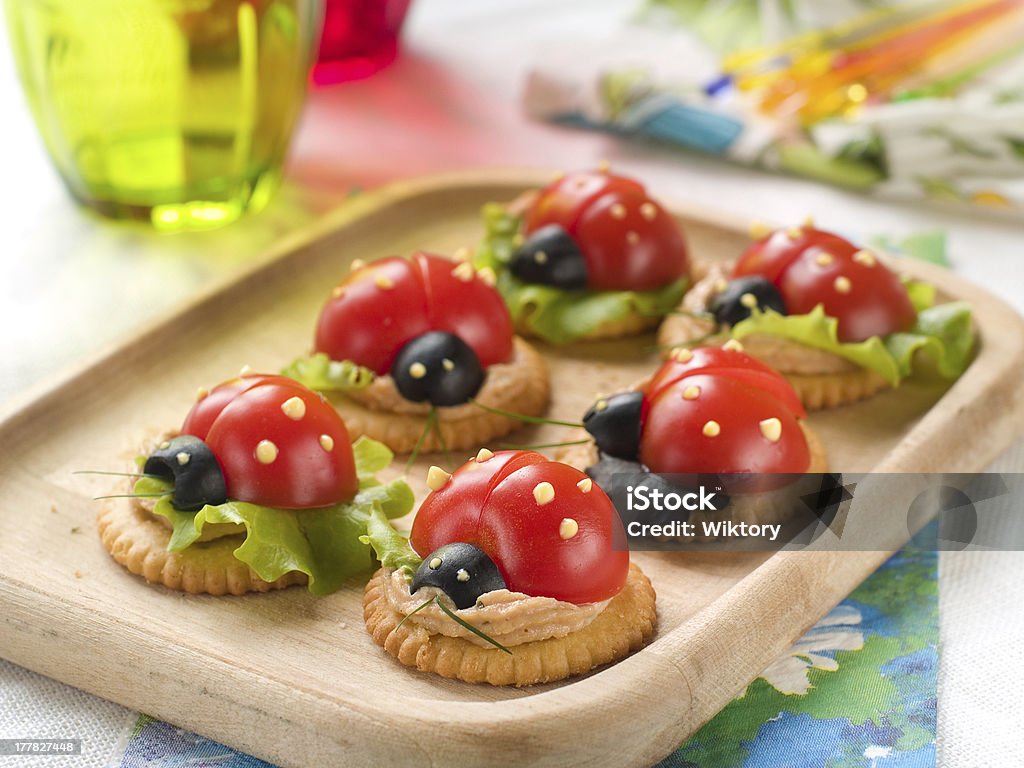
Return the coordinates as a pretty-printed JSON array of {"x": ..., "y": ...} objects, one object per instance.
[{"x": 666, "y": 664}]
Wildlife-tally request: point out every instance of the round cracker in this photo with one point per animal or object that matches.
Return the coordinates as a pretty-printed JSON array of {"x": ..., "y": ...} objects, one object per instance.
[
  {"x": 828, "y": 390},
  {"x": 817, "y": 390},
  {"x": 138, "y": 541},
  {"x": 523, "y": 388},
  {"x": 625, "y": 625}
]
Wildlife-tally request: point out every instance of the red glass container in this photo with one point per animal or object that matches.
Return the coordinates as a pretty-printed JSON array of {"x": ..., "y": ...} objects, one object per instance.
[{"x": 360, "y": 37}]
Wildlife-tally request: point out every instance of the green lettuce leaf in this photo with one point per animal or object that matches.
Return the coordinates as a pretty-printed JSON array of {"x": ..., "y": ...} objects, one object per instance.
[
  {"x": 926, "y": 246},
  {"x": 320, "y": 373},
  {"x": 942, "y": 334},
  {"x": 391, "y": 547},
  {"x": 325, "y": 543},
  {"x": 921, "y": 295},
  {"x": 558, "y": 316}
]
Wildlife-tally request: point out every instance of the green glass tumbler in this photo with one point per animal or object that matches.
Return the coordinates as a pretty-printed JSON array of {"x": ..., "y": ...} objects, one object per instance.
[{"x": 174, "y": 112}]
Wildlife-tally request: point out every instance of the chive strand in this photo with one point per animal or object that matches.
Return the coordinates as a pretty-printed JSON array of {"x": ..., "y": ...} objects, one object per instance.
[
  {"x": 441, "y": 440},
  {"x": 132, "y": 496},
  {"x": 524, "y": 418},
  {"x": 539, "y": 446},
  {"x": 413, "y": 612},
  {"x": 465, "y": 624},
  {"x": 114, "y": 474},
  {"x": 427, "y": 427}
]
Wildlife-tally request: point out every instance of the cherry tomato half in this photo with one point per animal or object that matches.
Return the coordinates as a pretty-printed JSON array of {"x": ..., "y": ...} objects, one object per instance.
[
  {"x": 554, "y": 542},
  {"x": 861, "y": 293},
  {"x": 630, "y": 242},
  {"x": 712, "y": 423},
  {"x": 280, "y": 444},
  {"x": 724, "y": 362},
  {"x": 811, "y": 267},
  {"x": 209, "y": 405},
  {"x": 372, "y": 314},
  {"x": 627, "y": 240},
  {"x": 563, "y": 200},
  {"x": 771, "y": 255},
  {"x": 386, "y": 304}
]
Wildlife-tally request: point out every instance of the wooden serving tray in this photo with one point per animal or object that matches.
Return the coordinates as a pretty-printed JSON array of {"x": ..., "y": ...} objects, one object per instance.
[{"x": 295, "y": 679}]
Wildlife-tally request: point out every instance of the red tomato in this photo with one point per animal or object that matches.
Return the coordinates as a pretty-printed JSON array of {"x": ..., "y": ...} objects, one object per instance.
[
  {"x": 562, "y": 201},
  {"x": 448, "y": 513},
  {"x": 281, "y": 445},
  {"x": 630, "y": 243},
  {"x": 862, "y": 294},
  {"x": 494, "y": 507},
  {"x": 209, "y": 406},
  {"x": 714, "y": 423},
  {"x": 385, "y": 305},
  {"x": 723, "y": 362},
  {"x": 770, "y": 255},
  {"x": 811, "y": 267},
  {"x": 373, "y": 314},
  {"x": 470, "y": 309}
]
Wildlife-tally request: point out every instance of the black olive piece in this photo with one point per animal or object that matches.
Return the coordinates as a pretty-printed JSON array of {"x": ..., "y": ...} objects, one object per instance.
[
  {"x": 189, "y": 463},
  {"x": 614, "y": 423},
  {"x": 438, "y": 367},
  {"x": 551, "y": 257},
  {"x": 461, "y": 571},
  {"x": 730, "y": 306}
]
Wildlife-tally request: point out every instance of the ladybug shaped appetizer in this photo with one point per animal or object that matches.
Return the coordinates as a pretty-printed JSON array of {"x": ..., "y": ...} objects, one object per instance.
[
  {"x": 830, "y": 316},
  {"x": 403, "y": 345},
  {"x": 707, "y": 411},
  {"x": 259, "y": 489},
  {"x": 590, "y": 256},
  {"x": 516, "y": 572}
]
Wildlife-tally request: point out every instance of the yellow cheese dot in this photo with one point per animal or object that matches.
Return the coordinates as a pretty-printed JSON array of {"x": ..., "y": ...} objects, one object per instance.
[
  {"x": 463, "y": 271},
  {"x": 683, "y": 355},
  {"x": 266, "y": 452},
  {"x": 544, "y": 493},
  {"x": 771, "y": 429},
  {"x": 294, "y": 408},
  {"x": 437, "y": 478}
]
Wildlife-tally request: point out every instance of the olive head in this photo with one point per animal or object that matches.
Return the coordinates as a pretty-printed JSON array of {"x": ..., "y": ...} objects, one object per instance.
[
  {"x": 614, "y": 423},
  {"x": 551, "y": 257},
  {"x": 439, "y": 368},
  {"x": 189, "y": 463},
  {"x": 462, "y": 571},
  {"x": 741, "y": 295}
]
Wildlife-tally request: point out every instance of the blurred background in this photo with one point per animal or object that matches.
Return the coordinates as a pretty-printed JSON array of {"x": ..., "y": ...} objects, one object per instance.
[{"x": 536, "y": 84}]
